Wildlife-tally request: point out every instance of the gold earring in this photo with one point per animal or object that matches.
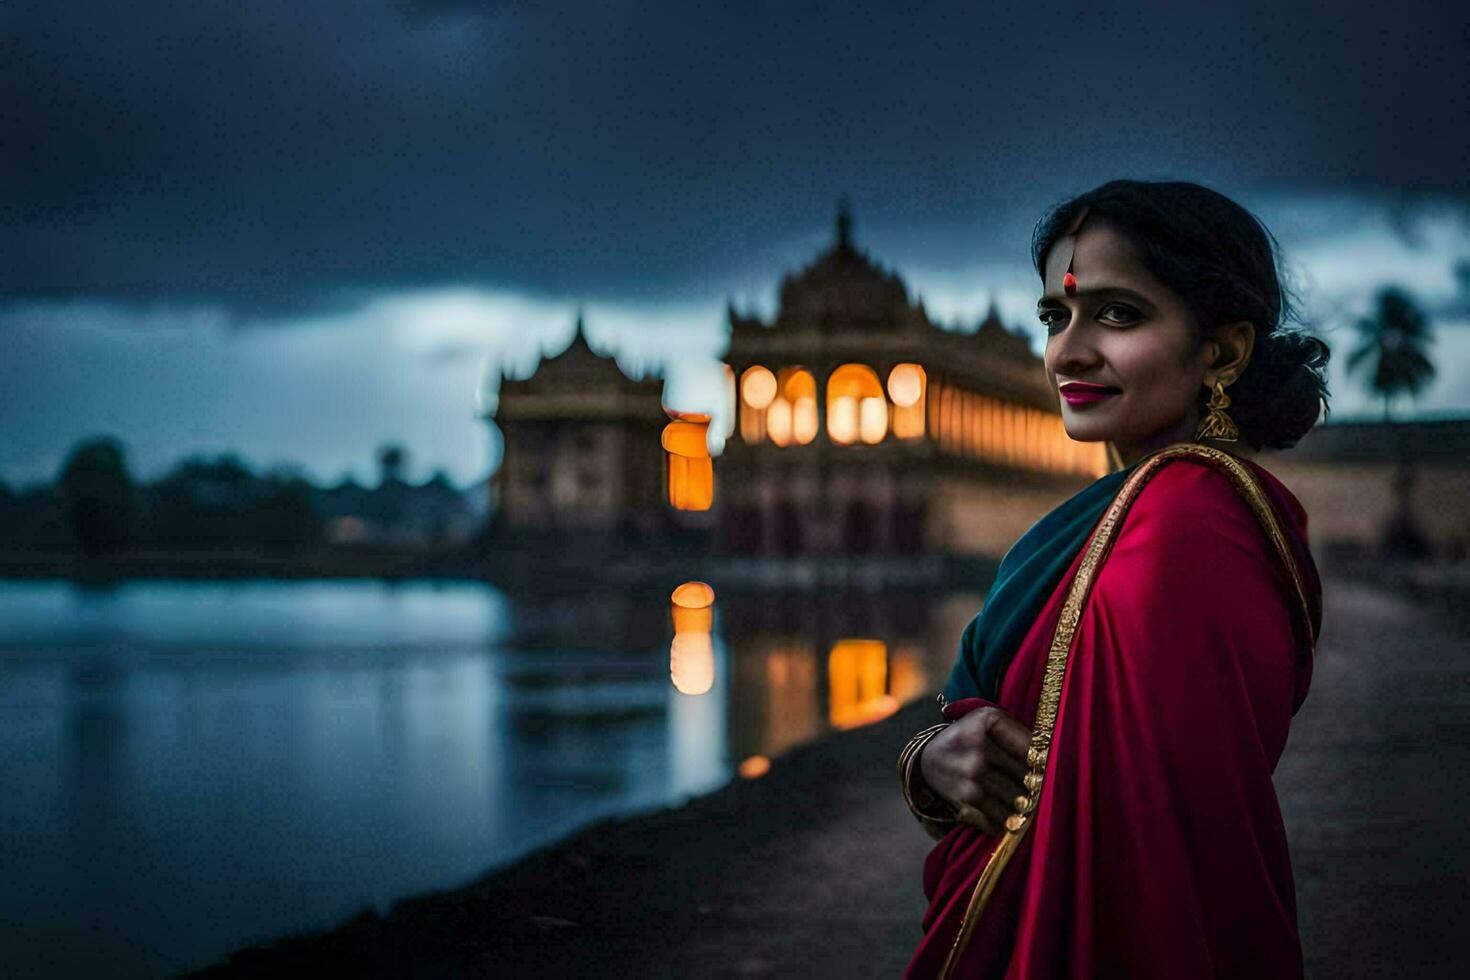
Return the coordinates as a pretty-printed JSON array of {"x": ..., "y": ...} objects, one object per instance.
[{"x": 1218, "y": 425}]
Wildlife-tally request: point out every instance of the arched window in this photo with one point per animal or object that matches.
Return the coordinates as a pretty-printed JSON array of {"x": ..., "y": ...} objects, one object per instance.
[
  {"x": 856, "y": 407},
  {"x": 792, "y": 415},
  {"x": 907, "y": 390},
  {"x": 757, "y": 391}
]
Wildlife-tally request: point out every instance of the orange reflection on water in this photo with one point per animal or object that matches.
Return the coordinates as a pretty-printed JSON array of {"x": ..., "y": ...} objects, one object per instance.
[
  {"x": 755, "y": 767},
  {"x": 792, "y": 703},
  {"x": 857, "y": 682},
  {"x": 692, "y": 663},
  {"x": 692, "y": 620},
  {"x": 692, "y": 653},
  {"x": 907, "y": 678}
]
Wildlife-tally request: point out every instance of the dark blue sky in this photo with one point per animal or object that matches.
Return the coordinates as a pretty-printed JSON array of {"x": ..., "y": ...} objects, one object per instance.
[{"x": 451, "y": 179}]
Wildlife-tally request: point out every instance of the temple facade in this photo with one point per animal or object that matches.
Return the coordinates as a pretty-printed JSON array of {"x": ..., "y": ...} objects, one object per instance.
[
  {"x": 580, "y": 447},
  {"x": 862, "y": 426},
  {"x": 855, "y": 425}
]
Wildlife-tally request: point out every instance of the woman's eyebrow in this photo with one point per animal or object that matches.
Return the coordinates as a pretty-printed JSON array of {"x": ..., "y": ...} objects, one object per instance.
[{"x": 1054, "y": 300}]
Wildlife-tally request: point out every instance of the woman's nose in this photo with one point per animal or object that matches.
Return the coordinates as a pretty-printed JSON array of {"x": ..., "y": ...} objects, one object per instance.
[{"x": 1072, "y": 352}]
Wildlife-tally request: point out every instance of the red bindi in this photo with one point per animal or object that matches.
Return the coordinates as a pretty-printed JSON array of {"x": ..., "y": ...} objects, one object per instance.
[{"x": 1069, "y": 283}]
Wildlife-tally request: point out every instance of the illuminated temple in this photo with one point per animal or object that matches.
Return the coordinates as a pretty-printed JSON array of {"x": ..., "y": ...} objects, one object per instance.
[
  {"x": 864, "y": 427},
  {"x": 856, "y": 426}
]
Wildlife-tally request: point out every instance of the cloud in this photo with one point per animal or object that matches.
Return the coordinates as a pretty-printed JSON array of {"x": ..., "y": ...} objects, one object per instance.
[
  {"x": 281, "y": 159},
  {"x": 420, "y": 368}
]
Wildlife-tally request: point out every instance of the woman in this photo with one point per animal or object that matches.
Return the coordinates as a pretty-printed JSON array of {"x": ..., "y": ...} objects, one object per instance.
[{"x": 1100, "y": 784}]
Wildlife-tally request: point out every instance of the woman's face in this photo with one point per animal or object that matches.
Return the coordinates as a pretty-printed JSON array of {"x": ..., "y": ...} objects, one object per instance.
[{"x": 1125, "y": 330}]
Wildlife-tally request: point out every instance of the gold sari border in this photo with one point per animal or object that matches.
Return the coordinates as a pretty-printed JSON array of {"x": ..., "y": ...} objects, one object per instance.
[{"x": 1096, "y": 550}]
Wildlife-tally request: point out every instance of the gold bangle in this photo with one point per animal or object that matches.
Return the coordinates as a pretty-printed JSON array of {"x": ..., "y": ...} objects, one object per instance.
[{"x": 925, "y": 804}]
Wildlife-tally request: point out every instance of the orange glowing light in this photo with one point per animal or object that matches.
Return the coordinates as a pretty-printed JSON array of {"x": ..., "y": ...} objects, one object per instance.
[
  {"x": 872, "y": 420},
  {"x": 908, "y": 423},
  {"x": 691, "y": 472},
  {"x": 758, "y": 387},
  {"x": 691, "y": 482},
  {"x": 804, "y": 420},
  {"x": 686, "y": 438},
  {"x": 797, "y": 383},
  {"x": 755, "y": 767},
  {"x": 692, "y": 620},
  {"x": 693, "y": 595},
  {"x": 778, "y": 422},
  {"x": 692, "y": 663},
  {"x": 854, "y": 398},
  {"x": 907, "y": 678},
  {"x": 842, "y": 420},
  {"x": 906, "y": 384},
  {"x": 854, "y": 381},
  {"x": 857, "y": 681},
  {"x": 692, "y": 654}
]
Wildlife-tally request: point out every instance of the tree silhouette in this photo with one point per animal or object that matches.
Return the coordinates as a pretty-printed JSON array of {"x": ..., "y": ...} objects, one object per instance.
[
  {"x": 100, "y": 500},
  {"x": 1392, "y": 343},
  {"x": 392, "y": 461}
]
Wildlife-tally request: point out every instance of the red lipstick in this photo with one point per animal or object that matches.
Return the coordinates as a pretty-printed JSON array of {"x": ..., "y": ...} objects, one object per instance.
[{"x": 1084, "y": 393}]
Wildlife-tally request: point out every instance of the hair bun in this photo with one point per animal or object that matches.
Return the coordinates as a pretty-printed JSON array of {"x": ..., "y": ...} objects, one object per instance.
[{"x": 1283, "y": 392}]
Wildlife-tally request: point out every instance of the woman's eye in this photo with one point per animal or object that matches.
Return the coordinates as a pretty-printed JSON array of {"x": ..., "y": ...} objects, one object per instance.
[
  {"x": 1116, "y": 313},
  {"x": 1053, "y": 319}
]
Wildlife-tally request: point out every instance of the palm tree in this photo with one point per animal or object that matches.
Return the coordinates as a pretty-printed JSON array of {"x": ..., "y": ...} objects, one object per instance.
[{"x": 1393, "y": 341}]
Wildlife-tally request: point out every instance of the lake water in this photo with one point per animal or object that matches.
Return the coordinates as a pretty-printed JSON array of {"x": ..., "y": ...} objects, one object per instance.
[{"x": 189, "y": 767}]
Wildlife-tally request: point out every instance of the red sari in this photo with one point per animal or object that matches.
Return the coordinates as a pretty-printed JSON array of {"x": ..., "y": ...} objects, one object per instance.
[{"x": 1156, "y": 847}]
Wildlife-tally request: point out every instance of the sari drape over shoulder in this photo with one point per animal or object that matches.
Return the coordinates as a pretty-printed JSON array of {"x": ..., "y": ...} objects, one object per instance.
[{"x": 1154, "y": 847}]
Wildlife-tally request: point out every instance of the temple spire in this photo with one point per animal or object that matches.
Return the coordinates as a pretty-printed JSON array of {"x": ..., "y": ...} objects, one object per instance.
[
  {"x": 992, "y": 316},
  {"x": 844, "y": 222}
]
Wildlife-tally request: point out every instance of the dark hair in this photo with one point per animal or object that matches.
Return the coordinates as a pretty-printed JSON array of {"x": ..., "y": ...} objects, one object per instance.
[{"x": 1222, "y": 261}]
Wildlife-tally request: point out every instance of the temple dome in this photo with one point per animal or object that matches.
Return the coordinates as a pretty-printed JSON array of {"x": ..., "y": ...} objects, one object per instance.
[{"x": 844, "y": 288}]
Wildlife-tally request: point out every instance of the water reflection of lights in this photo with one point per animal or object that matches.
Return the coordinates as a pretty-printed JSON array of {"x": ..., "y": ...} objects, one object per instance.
[
  {"x": 692, "y": 653},
  {"x": 693, "y": 595},
  {"x": 692, "y": 663},
  {"x": 906, "y": 676},
  {"x": 857, "y": 682}
]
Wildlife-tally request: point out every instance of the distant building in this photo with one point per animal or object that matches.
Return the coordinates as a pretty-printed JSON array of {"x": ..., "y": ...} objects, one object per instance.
[
  {"x": 581, "y": 447},
  {"x": 1355, "y": 479},
  {"x": 861, "y": 427},
  {"x": 397, "y": 513}
]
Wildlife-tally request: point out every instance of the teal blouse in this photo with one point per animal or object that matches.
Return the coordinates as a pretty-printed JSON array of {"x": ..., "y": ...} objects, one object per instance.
[{"x": 1026, "y": 578}]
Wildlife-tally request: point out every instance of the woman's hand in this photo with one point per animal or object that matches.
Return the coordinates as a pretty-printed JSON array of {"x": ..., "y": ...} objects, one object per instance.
[{"x": 978, "y": 764}]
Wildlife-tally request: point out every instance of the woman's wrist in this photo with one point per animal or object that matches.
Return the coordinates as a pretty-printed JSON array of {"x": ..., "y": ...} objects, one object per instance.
[{"x": 923, "y": 802}]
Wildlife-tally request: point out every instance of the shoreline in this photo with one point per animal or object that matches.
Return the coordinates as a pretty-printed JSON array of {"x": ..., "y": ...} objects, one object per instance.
[
  {"x": 601, "y": 570},
  {"x": 815, "y": 869},
  {"x": 717, "y": 885}
]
